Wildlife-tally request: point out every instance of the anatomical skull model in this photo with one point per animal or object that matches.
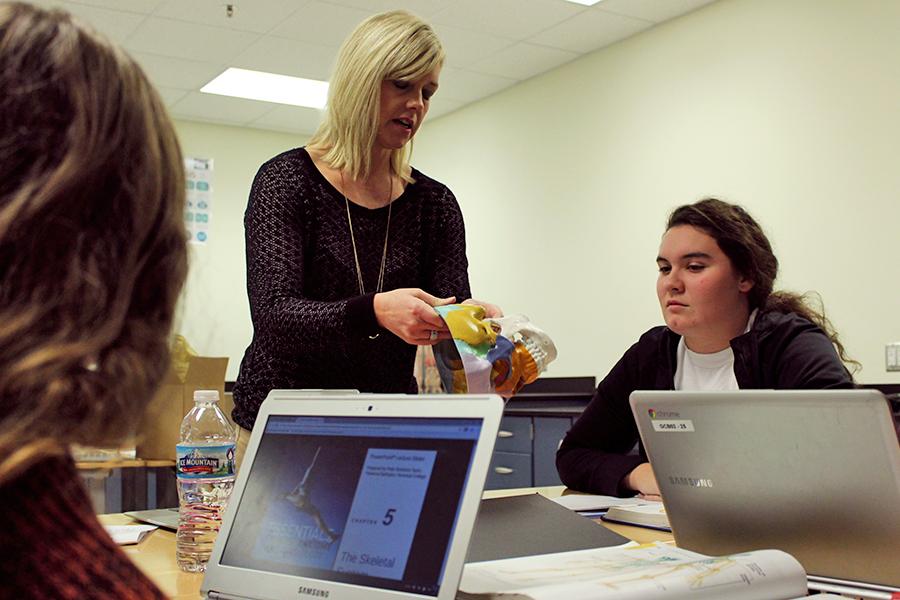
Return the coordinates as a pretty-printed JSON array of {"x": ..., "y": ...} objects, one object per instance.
[{"x": 490, "y": 355}]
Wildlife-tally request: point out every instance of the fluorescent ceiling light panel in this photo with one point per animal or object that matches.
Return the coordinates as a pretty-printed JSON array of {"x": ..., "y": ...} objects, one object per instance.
[
  {"x": 269, "y": 87},
  {"x": 585, "y": 2}
]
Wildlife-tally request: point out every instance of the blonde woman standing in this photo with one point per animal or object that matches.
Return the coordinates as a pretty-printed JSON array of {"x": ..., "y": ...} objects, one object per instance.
[
  {"x": 92, "y": 259},
  {"x": 348, "y": 247}
]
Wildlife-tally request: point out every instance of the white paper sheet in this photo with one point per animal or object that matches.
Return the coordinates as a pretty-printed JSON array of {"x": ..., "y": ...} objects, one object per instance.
[{"x": 128, "y": 534}]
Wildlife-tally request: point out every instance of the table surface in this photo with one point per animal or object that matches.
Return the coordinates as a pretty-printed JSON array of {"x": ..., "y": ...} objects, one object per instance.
[
  {"x": 155, "y": 556},
  {"x": 90, "y": 465}
]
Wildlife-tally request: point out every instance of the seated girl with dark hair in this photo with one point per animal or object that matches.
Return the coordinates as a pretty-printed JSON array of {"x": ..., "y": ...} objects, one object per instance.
[{"x": 726, "y": 329}]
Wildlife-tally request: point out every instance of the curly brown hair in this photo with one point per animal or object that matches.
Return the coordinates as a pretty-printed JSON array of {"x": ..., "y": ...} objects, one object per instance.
[
  {"x": 92, "y": 241},
  {"x": 743, "y": 241}
]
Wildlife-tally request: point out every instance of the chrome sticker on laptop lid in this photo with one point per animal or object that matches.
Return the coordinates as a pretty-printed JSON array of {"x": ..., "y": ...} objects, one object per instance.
[{"x": 669, "y": 421}]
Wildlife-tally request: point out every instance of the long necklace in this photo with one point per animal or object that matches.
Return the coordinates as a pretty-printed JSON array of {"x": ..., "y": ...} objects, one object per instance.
[{"x": 387, "y": 232}]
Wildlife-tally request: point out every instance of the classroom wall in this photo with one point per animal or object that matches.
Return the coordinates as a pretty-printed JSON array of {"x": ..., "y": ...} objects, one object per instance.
[
  {"x": 214, "y": 314},
  {"x": 789, "y": 107}
]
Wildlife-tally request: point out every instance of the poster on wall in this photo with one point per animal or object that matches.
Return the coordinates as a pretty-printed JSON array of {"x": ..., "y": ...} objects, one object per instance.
[{"x": 198, "y": 202}]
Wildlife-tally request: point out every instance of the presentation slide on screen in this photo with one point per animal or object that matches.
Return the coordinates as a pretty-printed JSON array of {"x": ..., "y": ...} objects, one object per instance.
[
  {"x": 306, "y": 513},
  {"x": 385, "y": 512}
]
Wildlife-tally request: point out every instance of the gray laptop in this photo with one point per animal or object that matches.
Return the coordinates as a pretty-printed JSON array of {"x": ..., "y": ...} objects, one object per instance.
[
  {"x": 813, "y": 473},
  {"x": 167, "y": 518},
  {"x": 357, "y": 497}
]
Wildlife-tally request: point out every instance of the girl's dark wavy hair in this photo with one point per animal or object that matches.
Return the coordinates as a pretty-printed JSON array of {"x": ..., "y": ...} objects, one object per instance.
[
  {"x": 742, "y": 240},
  {"x": 92, "y": 242}
]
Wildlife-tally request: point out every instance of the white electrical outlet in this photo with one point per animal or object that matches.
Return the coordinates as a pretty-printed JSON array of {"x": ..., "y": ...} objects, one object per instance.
[{"x": 892, "y": 356}]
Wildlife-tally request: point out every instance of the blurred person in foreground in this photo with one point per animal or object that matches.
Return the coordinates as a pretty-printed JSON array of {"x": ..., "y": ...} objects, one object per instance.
[{"x": 92, "y": 260}]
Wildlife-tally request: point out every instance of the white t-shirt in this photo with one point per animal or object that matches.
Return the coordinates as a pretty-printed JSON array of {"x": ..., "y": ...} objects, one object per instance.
[{"x": 707, "y": 372}]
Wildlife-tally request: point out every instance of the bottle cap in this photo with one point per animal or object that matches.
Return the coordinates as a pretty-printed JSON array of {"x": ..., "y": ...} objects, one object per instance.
[{"x": 206, "y": 395}]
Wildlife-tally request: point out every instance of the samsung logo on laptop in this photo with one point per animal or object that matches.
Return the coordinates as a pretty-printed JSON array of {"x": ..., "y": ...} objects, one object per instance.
[
  {"x": 316, "y": 592},
  {"x": 691, "y": 482}
]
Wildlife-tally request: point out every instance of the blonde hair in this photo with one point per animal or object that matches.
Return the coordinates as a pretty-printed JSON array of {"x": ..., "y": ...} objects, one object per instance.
[
  {"x": 391, "y": 45},
  {"x": 92, "y": 241}
]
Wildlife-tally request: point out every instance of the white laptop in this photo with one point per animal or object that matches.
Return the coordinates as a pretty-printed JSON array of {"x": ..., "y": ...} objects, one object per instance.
[
  {"x": 356, "y": 496},
  {"x": 813, "y": 473}
]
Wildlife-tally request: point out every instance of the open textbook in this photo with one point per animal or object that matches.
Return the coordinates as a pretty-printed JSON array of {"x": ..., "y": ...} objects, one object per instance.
[
  {"x": 592, "y": 502},
  {"x": 651, "y": 514},
  {"x": 630, "y": 511},
  {"x": 657, "y": 571}
]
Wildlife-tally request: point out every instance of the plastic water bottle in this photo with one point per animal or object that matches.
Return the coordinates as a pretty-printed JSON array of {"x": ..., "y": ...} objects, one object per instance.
[{"x": 205, "y": 467}]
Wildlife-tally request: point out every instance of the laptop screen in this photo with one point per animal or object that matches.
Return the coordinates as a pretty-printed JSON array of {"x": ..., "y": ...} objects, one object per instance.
[{"x": 371, "y": 501}]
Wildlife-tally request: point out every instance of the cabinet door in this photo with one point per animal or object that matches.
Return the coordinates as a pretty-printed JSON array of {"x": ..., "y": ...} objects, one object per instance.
[
  {"x": 548, "y": 432},
  {"x": 514, "y": 435},
  {"x": 509, "y": 470}
]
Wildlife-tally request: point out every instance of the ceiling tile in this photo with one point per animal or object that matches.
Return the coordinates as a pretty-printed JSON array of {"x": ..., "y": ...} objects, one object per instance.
[
  {"x": 512, "y": 19},
  {"x": 288, "y": 57},
  {"x": 117, "y": 25},
  {"x": 421, "y": 8},
  {"x": 651, "y": 10},
  {"x": 523, "y": 60},
  {"x": 221, "y": 109},
  {"x": 290, "y": 118},
  {"x": 176, "y": 72},
  {"x": 467, "y": 86},
  {"x": 190, "y": 41},
  {"x": 320, "y": 23},
  {"x": 144, "y": 7},
  {"x": 466, "y": 47},
  {"x": 589, "y": 31},
  {"x": 183, "y": 44},
  {"x": 170, "y": 96},
  {"x": 259, "y": 16}
]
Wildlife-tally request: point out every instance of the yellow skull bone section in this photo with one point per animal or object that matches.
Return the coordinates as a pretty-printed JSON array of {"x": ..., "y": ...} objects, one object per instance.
[{"x": 467, "y": 323}]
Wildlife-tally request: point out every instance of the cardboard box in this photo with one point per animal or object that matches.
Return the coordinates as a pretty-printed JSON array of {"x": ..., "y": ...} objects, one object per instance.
[{"x": 175, "y": 398}]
